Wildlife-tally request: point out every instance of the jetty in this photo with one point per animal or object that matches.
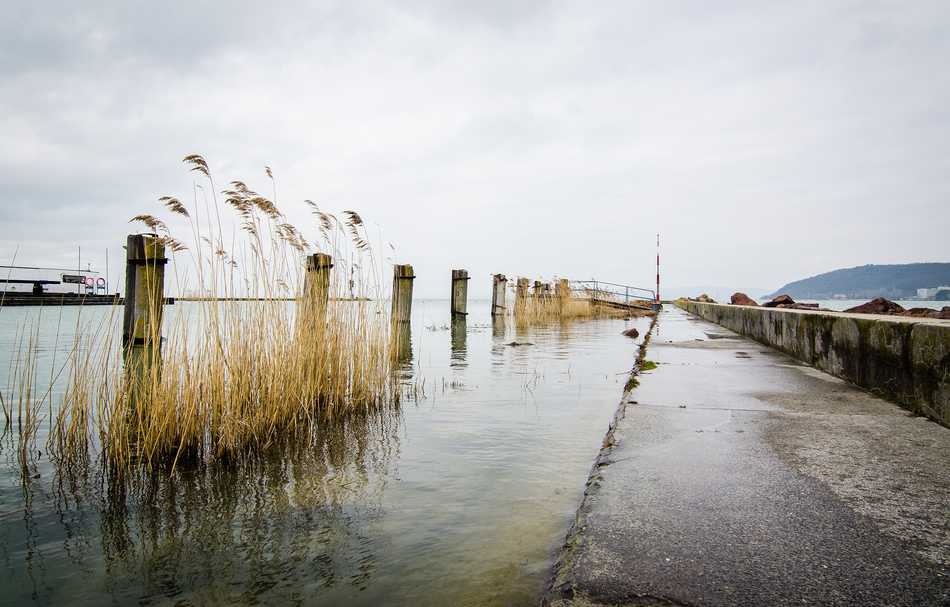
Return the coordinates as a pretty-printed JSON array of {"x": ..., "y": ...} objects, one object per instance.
[
  {"x": 773, "y": 457},
  {"x": 616, "y": 295}
]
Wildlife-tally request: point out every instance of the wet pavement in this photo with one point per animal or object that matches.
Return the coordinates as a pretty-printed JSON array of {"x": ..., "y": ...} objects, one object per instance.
[{"x": 738, "y": 476}]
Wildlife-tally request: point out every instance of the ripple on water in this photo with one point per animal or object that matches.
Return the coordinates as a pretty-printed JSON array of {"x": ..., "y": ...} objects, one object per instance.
[{"x": 459, "y": 498}]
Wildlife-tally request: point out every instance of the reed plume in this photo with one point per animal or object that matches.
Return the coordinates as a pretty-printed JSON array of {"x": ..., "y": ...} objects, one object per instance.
[
  {"x": 222, "y": 378},
  {"x": 542, "y": 304}
]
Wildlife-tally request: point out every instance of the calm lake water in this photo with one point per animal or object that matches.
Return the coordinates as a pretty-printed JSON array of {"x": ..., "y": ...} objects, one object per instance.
[{"x": 461, "y": 498}]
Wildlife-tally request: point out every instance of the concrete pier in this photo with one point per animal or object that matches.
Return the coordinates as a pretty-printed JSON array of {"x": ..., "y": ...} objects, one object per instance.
[
  {"x": 906, "y": 360},
  {"x": 736, "y": 475}
]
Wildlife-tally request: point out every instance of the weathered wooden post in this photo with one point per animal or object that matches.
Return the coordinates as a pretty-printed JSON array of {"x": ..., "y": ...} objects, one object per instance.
[
  {"x": 459, "y": 293},
  {"x": 521, "y": 291},
  {"x": 562, "y": 292},
  {"x": 521, "y": 296},
  {"x": 401, "y": 346},
  {"x": 312, "y": 313},
  {"x": 144, "y": 289},
  {"x": 498, "y": 285},
  {"x": 402, "y": 293},
  {"x": 562, "y": 289},
  {"x": 316, "y": 281},
  {"x": 142, "y": 318}
]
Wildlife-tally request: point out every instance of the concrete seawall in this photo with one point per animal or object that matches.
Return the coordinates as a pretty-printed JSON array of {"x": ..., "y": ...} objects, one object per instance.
[
  {"x": 733, "y": 474},
  {"x": 905, "y": 360}
]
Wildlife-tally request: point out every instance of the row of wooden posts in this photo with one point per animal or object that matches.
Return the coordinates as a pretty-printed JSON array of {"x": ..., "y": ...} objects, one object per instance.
[
  {"x": 402, "y": 292},
  {"x": 145, "y": 291}
]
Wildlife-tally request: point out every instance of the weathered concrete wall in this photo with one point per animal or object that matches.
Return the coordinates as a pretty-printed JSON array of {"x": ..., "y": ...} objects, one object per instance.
[{"x": 905, "y": 360}]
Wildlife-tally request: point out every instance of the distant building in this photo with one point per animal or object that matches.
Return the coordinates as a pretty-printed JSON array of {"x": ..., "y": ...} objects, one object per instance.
[{"x": 932, "y": 293}]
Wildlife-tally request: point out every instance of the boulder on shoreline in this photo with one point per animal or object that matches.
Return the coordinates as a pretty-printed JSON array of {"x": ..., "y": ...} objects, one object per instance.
[
  {"x": 779, "y": 301},
  {"x": 920, "y": 313},
  {"x": 878, "y": 305},
  {"x": 632, "y": 333},
  {"x": 741, "y": 299},
  {"x": 705, "y": 299},
  {"x": 942, "y": 314}
]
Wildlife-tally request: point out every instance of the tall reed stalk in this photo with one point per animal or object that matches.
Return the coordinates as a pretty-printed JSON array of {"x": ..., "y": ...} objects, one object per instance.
[
  {"x": 224, "y": 377},
  {"x": 561, "y": 304}
]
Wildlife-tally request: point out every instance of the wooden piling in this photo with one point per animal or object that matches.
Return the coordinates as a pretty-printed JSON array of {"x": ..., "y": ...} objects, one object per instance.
[
  {"x": 459, "y": 292},
  {"x": 521, "y": 288},
  {"x": 144, "y": 290},
  {"x": 402, "y": 293},
  {"x": 521, "y": 295},
  {"x": 142, "y": 318},
  {"x": 316, "y": 282},
  {"x": 499, "y": 284},
  {"x": 401, "y": 346},
  {"x": 562, "y": 292}
]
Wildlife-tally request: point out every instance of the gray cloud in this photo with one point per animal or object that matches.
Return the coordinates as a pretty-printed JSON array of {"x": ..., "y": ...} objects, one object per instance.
[{"x": 766, "y": 142}]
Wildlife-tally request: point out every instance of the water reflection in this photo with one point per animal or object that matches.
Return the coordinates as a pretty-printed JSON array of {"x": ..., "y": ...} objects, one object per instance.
[
  {"x": 498, "y": 331},
  {"x": 402, "y": 349},
  {"x": 293, "y": 522},
  {"x": 498, "y": 326},
  {"x": 456, "y": 499},
  {"x": 459, "y": 333}
]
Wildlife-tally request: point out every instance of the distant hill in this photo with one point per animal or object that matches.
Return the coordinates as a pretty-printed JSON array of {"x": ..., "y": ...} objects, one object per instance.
[{"x": 891, "y": 281}]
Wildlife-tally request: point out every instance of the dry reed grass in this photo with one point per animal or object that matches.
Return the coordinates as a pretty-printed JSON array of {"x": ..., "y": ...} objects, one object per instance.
[
  {"x": 561, "y": 304},
  {"x": 223, "y": 378}
]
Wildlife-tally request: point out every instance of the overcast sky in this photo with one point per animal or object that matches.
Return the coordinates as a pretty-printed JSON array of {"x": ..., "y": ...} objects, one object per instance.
[{"x": 765, "y": 143}]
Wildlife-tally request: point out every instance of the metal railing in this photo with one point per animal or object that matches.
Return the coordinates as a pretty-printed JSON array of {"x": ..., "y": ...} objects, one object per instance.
[{"x": 612, "y": 291}]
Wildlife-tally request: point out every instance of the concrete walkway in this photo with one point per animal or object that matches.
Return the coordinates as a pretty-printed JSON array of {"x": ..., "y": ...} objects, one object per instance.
[{"x": 737, "y": 476}]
